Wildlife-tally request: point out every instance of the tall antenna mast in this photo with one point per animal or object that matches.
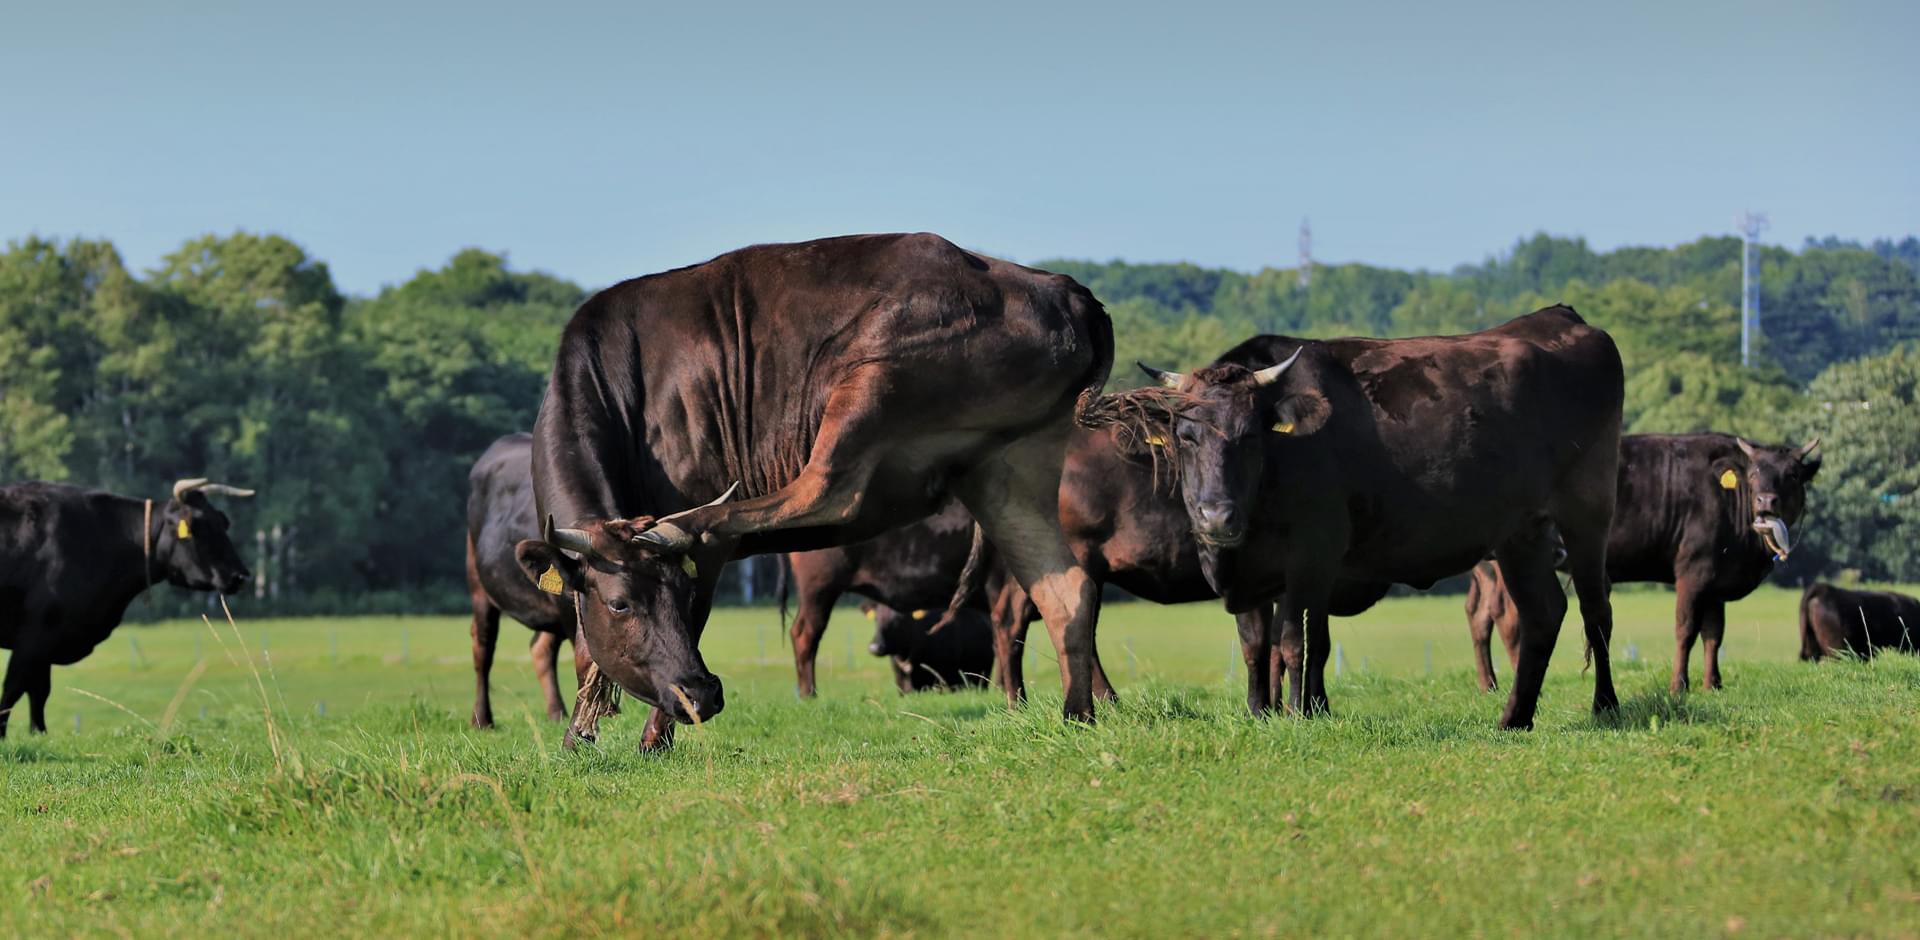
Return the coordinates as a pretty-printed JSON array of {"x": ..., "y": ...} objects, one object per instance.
[
  {"x": 1750, "y": 224},
  {"x": 1306, "y": 253}
]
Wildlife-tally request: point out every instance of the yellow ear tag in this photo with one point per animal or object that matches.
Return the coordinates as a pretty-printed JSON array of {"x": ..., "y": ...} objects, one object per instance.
[
  {"x": 687, "y": 565},
  {"x": 1729, "y": 480},
  {"x": 1155, "y": 440},
  {"x": 183, "y": 533},
  {"x": 870, "y": 614},
  {"x": 1283, "y": 427},
  {"x": 550, "y": 580},
  {"x": 919, "y": 615}
]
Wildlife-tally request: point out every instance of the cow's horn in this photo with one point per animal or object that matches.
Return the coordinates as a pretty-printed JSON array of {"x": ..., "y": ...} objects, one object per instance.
[
  {"x": 221, "y": 489},
  {"x": 1808, "y": 449},
  {"x": 723, "y": 497},
  {"x": 1166, "y": 379},
  {"x": 1745, "y": 447},
  {"x": 573, "y": 540},
  {"x": 182, "y": 487},
  {"x": 1272, "y": 374},
  {"x": 667, "y": 537}
]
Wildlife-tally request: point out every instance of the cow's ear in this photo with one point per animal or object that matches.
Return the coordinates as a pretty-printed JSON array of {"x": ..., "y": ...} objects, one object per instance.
[
  {"x": 1301, "y": 413},
  {"x": 547, "y": 566},
  {"x": 1809, "y": 467}
]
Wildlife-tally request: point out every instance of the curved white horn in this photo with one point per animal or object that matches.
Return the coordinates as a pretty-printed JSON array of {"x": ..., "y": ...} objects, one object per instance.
[
  {"x": 1807, "y": 450},
  {"x": 723, "y": 497},
  {"x": 221, "y": 489},
  {"x": 1272, "y": 374},
  {"x": 574, "y": 540},
  {"x": 1166, "y": 379},
  {"x": 1745, "y": 447},
  {"x": 182, "y": 487}
]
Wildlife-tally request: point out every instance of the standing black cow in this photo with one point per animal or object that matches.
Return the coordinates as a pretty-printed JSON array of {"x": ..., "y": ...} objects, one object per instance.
[
  {"x": 1404, "y": 461},
  {"x": 848, "y": 386},
  {"x": 71, "y": 560},
  {"x": 958, "y": 655},
  {"x": 1835, "y": 621},
  {"x": 500, "y": 516},
  {"x": 1122, "y": 513},
  {"x": 1707, "y": 513},
  {"x": 909, "y": 568}
]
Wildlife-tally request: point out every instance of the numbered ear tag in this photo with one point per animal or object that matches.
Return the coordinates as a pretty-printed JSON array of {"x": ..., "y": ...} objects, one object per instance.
[
  {"x": 1729, "y": 480},
  {"x": 1283, "y": 427},
  {"x": 550, "y": 580},
  {"x": 1155, "y": 440},
  {"x": 182, "y": 532},
  {"x": 687, "y": 565}
]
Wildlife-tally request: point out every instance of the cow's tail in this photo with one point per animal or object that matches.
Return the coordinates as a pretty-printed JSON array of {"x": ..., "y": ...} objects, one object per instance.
[
  {"x": 1100, "y": 333},
  {"x": 1809, "y": 646},
  {"x": 971, "y": 575},
  {"x": 780, "y": 588}
]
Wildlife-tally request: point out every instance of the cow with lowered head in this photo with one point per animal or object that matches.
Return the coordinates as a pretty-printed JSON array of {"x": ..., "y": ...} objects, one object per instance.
[
  {"x": 71, "y": 560},
  {"x": 957, "y": 655},
  {"x": 1707, "y": 513},
  {"x": 1837, "y": 622},
  {"x": 1303, "y": 462},
  {"x": 841, "y": 388}
]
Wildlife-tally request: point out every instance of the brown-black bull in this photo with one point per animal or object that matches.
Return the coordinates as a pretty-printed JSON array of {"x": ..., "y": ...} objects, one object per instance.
[
  {"x": 1707, "y": 513},
  {"x": 499, "y": 516},
  {"x": 1121, "y": 510},
  {"x": 1835, "y": 621},
  {"x": 71, "y": 560},
  {"x": 1404, "y": 460},
  {"x": 839, "y": 388}
]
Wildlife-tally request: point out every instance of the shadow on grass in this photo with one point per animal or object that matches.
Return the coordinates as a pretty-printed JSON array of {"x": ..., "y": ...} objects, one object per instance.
[{"x": 1650, "y": 708}]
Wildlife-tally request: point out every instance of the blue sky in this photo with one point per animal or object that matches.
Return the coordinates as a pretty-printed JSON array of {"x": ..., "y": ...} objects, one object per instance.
[{"x": 605, "y": 142}]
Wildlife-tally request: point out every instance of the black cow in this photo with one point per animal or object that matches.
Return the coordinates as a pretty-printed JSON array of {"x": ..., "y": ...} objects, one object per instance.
[
  {"x": 847, "y": 386},
  {"x": 1835, "y": 621},
  {"x": 1706, "y": 513},
  {"x": 500, "y": 516},
  {"x": 71, "y": 560},
  {"x": 1121, "y": 510},
  {"x": 1403, "y": 460},
  {"x": 910, "y": 568},
  {"x": 957, "y": 655}
]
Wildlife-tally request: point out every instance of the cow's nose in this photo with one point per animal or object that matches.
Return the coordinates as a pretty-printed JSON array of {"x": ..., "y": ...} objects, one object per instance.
[
  {"x": 876, "y": 649},
  {"x": 1767, "y": 504},
  {"x": 1215, "y": 517}
]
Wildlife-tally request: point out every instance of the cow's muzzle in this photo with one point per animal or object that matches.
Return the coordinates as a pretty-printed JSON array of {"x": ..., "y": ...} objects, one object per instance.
[{"x": 694, "y": 699}]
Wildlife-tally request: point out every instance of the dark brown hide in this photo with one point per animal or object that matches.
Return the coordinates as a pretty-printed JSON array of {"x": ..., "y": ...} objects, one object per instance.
[{"x": 1835, "y": 621}]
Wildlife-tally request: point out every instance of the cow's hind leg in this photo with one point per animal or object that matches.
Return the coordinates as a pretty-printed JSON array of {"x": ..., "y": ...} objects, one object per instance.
[
  {"x": 809, "y": 626},
  {"x": 13, "y": 688},
  {"x": 39, "y": 686},
  {"x": 1526, "y": 559},
  {"x": 546, "y": 661},
  {"x": 1258, "y": 653},
  {"x": 1587, "y": 560},
  {"x": 1011, "y": 615},
  {"x": 1688, "y": 613},
  {"x": 1480, "y": 629},
  {"x": 1015, "y": 497},
  {"x": 486, "y": 633}
]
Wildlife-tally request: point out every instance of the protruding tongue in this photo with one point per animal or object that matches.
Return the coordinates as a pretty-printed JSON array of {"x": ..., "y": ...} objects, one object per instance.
[{"x": 1774, "y": 533}]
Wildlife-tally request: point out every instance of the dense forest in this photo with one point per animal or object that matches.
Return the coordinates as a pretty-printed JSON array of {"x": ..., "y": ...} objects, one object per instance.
[{"x": 357, "y": 418}]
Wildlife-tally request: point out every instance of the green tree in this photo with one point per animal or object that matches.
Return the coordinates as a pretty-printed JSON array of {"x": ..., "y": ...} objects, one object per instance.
[{"x": 1865, "y": 511}]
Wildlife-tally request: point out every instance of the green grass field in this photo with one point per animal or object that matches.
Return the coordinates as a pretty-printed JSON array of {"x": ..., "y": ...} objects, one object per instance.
[{"x": 167, "y": 801}]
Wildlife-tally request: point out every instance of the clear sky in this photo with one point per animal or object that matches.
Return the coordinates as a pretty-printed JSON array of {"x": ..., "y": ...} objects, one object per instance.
[{"x": 600, "y": 142}]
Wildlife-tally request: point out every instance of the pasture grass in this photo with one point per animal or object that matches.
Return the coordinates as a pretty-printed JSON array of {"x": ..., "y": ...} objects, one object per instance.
[{"x": 168, "y": 801}]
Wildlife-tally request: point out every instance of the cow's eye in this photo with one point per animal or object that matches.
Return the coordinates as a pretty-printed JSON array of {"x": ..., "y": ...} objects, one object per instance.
[{"x": 619, "y": 606}]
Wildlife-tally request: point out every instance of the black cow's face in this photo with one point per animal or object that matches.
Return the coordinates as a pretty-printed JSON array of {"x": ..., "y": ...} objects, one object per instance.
[
  {"x": 194, "y": 550},
  {"x": 897, "y": 633},
  {"x": 1221, "y": 432},
  {"x": 1775, "y": 480},
  {"x": 640, "y": 608}
]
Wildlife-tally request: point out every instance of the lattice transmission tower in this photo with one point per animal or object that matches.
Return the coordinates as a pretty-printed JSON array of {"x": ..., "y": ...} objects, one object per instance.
[{"x": 1750, "y": 225}]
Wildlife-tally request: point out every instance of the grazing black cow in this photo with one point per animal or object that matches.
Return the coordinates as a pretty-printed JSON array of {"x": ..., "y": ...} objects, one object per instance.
[
  {"x": 71, "y": 560},
  {"x": 500, "y": 516},
  {"x": 847, "y": 386},
  {"x": 1706, "y": 513},
  {"x": 959, "y": 654},
  {"x": 1404, "y": 460},
  {"x": 909, "y": 568},
  {"x": 1121, "y": 510},
  {"x": 1835, "y": 621}
]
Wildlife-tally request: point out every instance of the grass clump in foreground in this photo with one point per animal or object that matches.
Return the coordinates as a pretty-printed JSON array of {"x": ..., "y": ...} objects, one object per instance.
[{"x": 1788, "y": 804}]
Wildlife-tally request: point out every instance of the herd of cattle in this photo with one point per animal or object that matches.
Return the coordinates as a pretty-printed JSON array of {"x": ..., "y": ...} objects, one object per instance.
[{"x": 924, "y": 426}]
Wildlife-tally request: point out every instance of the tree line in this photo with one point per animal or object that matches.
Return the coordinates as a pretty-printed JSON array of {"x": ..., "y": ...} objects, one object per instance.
[{"x": 357, "y": 418}]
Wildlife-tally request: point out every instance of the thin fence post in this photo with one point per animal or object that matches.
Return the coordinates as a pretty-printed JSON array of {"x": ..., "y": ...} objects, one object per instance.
[
  {"x": 1339, "y": 660},
  {"x": 133, "y": 652},
  {"x": 1633, "y": 652},
  {"x": 1429, "y": 657},
  {"x": 76, "y": 721}
]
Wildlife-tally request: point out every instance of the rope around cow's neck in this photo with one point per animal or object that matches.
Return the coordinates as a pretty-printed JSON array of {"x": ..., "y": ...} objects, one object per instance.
[{"x": 146, "y": 552}]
